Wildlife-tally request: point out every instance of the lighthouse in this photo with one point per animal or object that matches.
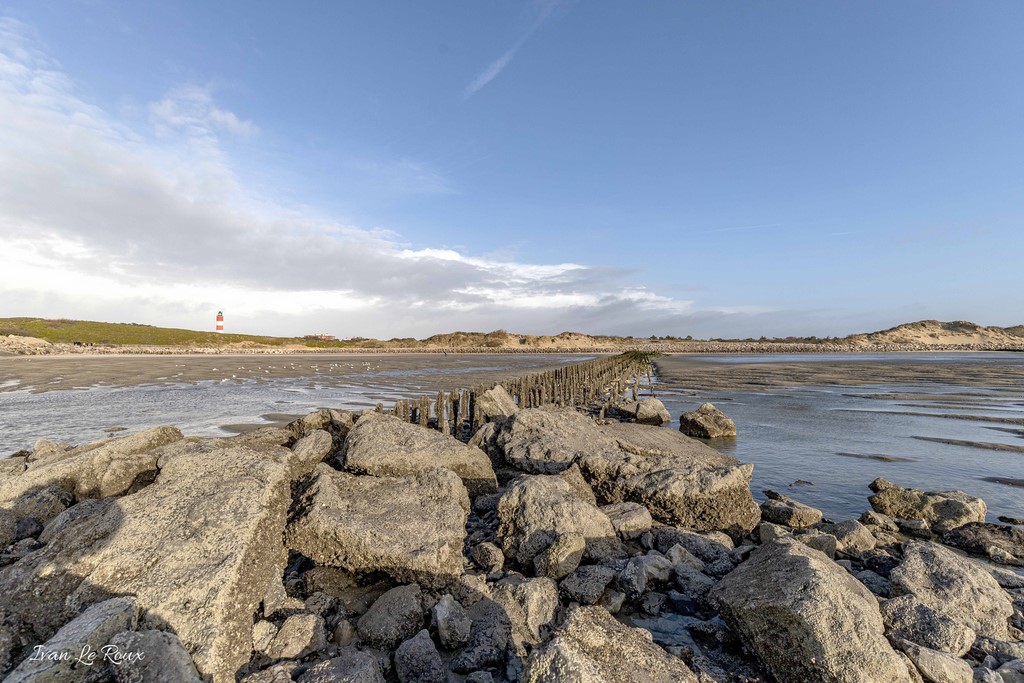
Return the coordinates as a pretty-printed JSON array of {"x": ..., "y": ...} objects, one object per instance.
[{"x": 220, "y": 321}]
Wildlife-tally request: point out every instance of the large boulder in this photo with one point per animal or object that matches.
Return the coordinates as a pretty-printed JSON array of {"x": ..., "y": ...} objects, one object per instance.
[
  {"x": 707, "y": 422},
  {"x": 955, "y": 586},
  {"x": 494, "y": 403},
  {"x": 198, "y": 548},
  {"x": 394, "y": 616},
  {"x": 384, "y": 445},
  {"x": 409, "y": 527},
  {"x": 906, "y": 618},
  {"x": 651, "y": 411},
  {"x": 806, "y": 618},
  {"x": 642, "y": 440},
  {"x": 107, "y": 468},
  {"x": 536, "y": 510},
  {"x": 548, "y": 440},
  {"x": 942, "y": 510},
  {"x": 592, "y": 647},
  {"x": 999, "y": 542},
  {"x": 675, "y": 492}
]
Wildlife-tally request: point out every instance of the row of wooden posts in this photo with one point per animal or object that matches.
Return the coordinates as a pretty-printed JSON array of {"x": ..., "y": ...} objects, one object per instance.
[{"x": 599, "y": 382}]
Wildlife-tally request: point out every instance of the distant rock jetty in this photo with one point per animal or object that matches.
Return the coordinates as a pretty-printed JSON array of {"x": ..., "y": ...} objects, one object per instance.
[{"x": 557, "y": 544}]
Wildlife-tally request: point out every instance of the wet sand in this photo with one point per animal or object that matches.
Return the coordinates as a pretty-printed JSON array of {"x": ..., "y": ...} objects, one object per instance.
[{"x": 419, "y": 371}]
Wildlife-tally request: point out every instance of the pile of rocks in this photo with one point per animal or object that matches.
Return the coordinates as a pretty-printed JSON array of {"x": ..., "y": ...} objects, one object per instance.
[{"x": 552, "y": 547}]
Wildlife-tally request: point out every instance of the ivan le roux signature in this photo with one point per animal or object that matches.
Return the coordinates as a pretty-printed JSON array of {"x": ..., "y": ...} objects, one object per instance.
[{"x": 88, "y": 656}]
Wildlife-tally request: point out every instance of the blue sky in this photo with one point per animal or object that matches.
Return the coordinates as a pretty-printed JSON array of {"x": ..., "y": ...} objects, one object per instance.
[{"x": 402, "y": 169}]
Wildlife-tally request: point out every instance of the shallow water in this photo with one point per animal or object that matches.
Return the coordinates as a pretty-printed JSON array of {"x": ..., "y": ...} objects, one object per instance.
[{"x": 814, "y": 432}]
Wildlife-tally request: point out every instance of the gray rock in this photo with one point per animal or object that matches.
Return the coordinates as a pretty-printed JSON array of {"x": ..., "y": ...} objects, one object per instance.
[
  {"x": 350, "y": 666},
  {"x": 676, "y": 492},
  {"x": 548, "y": 440},
  {"x": 495, "y": 403},
  {"x": 488, "y": 556},
  {"x": 707, "y": 422},
  {"x": 877, "y": 584},
  {"x": 277, "y": 673},
  {"x": 877, "y": 519},
  {"x": 43, "y": 503},
  {"x": 452, "y": 623},
  {"x": 309, "y": 451},
  {"x": 592, "y": 647},
  {"x": 384, "y": 445},
  {"x": 780, "y": 509},
  {"x": 61, "y": 658},
  {"x": 693, "y": 582},
  {"x": 587, "y": 584},
  {"x": 955, "y": 586},
  {"x": 198, "y": 548},
  {"x": 561, "y": 557},
  {"x": 711, "y": 551},
  {"x": 852, "y": 537},
  {"x": 480, "y": 677},
  {"x": 529, "y": 603},
  {"x": 640, "y": 440},
  {"x": 8, "y": 528},
  {"x": 300, "y": 634},
  {"x": 630, "y": 520},
  {"x": 536, "y": 510},
  {"x": 825, "y": 543},
  {"x": 490, "y": 638},
  {"x": 165, "y": 658},
  {"x": 412, "y": 527},
  {"x": 806, "y": 618},
  {"x": 395, "y": 616},
  {"x": 87, "y": 507},
  {"x": 337, "y": 423},
  {"x": 984, "y": 539},
  {"x": 942, "y": 510},
  {"x": 418, "y": 661},
  {"x": 938, "y": 667},
  {"x": 263, "y": 633},
  {"x": 632, "y": 579},
  {"x": 651, "y": 411},
  {"x": 107, "y": 468},
  {"x": 580, "y": 488},
  {"x": 906, "y": 618}
]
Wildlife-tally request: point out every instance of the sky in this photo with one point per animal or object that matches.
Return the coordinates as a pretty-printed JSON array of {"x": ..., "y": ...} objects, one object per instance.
[{"x": 401, "y": 169}]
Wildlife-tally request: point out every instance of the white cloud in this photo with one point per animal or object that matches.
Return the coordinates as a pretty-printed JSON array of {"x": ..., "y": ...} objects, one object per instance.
[{"x": 101, "y": 220}]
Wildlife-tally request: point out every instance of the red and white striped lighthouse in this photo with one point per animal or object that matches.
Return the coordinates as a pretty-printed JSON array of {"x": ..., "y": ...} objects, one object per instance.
[{"x": 220, "y": 321}]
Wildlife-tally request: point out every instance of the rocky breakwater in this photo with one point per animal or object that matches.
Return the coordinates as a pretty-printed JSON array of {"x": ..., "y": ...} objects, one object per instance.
[{"x": 553, "y": 547}]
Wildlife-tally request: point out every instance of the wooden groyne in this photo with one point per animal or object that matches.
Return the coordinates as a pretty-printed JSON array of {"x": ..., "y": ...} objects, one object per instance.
[{"x": 598, "y": 383}]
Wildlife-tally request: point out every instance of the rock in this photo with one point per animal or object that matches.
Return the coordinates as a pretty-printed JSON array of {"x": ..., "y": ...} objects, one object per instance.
[
  {"x": 452, "y": 624},
  {"x": 488, "y": 556},
  {"x": 938, "y": 667},
  {"x": 1005, "y": 578},
  {"x": 495, "y": 403},
  {"x": 942, "y": 510},
  {"x": 395, "y": 616},
  {"x": 418, "y": 661},
  {"x": 592, "y": 647},
  {"x": 806, "y": 618},
  {"x": 825, "y": 543},
  {"x": 198, "y": 548},
  {"x": 875, "y": 583},
  {"x": 677, "y": 555},
  {"x": 8, "y": 528},
  {"x": 640, "y": 440},
  {"x": 852, "y": 537},
  {"x": 651, "y": 411},
  {"x": 676, "y": 493},
  {"x": 87, "y": 507},
  {"x": 632, "y": 580},
  {"x": 309, "y": 451},
  {"x": 299, "y": 635},
  {"x": 107, "y": 468},
  {"x": 411, "y": 528},
  {"x": 337, "y": 423},
  {"x": 490, "y": 638},
  {"x": 43, "y": 503},
  {"x": 277, "y": 673},
  {"x": 906, "y": 618},
  {"x": 529, "y": 603},
  {"x": 780, "y": 509},
  {"x": 166, "y": 660},
  {"x": 981, "y": 538},
  {"x": 768, "y": 532},
  {"x": 262, "y": 633},
  {"x": 711, "y": 551},
  {"x": 561, "y": 557},
  {"x": 707, "y": 422},
  {"x": 877, "y": 519},
  {"x": 548, "y": 440},
  {"x": 384, "y": 445},
  {"x": 61, "y": 658},
  {"x": 960, "y": 589},
  {"x": 344, "y": 633},
  {"x": 480, "y": 677},
  {"x": 535, "y": 510},
  {"x": 630, "y": 520},
  {"x": 693, "y": 582},
  {"x": 350, "y": 666},
  {"x": 587, "y": 584},
  {"x": 29, "y": 527},
  {"x": 580, "y": 488}
]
